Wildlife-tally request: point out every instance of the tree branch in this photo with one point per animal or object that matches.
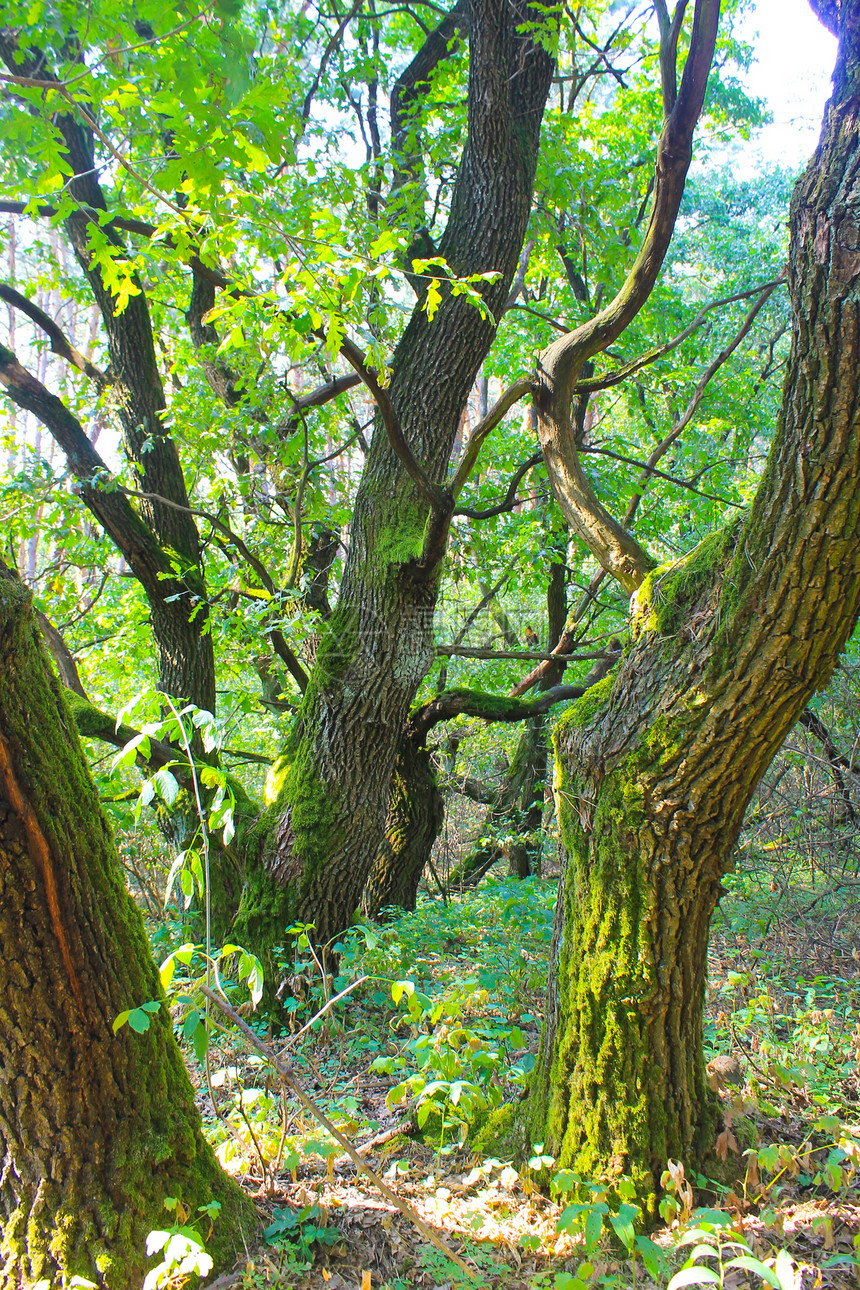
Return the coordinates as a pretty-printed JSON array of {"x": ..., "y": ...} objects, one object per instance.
[
  {"x": 60, "y": 344},
  {"x": 488, "y": 707},
  {"x": 609, "y": 379},
  {"x": 108, "y": 505},
  {"x": 331, "y": 46},
  {"x": 560, "y": 364},
  {"x": 556, "y": 656},
  {"x": 698, "y": 394},
  {"x": 510, "y": 499},
  {"x": 506, "y": 401}
]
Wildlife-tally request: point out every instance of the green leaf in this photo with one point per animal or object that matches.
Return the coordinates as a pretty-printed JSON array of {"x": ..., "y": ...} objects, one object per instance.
[
  {"x": 396, "y": 1095},
  {"x": 784, "y": 1269},
  {"x": 750, "y": 1264},
  {"x": 166, "y": 785},
  {"x": 434, "y": 299},
  {"x": 593, "y": 1229},
  {"x": 166, "y": 971},
  {"x": 138, "y": 1020},
  {"x": 191, "y": 1022},
  {"x": 694, "y": 1277},
  {"x": 656, "y": 1263},
  {"x": 120, "y": 1020},
  {"x": 200, "y": 1040},
  {"x": 623, "y": 1228}
]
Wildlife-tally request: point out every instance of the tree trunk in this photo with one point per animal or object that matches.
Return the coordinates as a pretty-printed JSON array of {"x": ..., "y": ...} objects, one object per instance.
[
  {"x": 96, "y": 1129},
  {"x": 518, "y": 810},
  {"x": 332, "y": 794},
  {"x": 416, "y": 813},
  {"x": 655, "y": 768}
]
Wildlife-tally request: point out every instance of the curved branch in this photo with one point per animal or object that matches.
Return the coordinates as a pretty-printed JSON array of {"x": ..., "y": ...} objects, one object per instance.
[
  {"x": 506, "y": 401},
  {"x": 560, "y": 364},
  {"x": 510, "y": 499},
  {"x": 332, "y": 45},
  {"x": 488, "y": 707}
]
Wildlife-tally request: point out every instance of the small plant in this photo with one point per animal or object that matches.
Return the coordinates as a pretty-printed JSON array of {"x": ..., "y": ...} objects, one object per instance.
[
  {"x": 719, "y": 1250},
  {"x": 297, "y": 1231},
  {"x": 182, "y": 1248},
  {"x": 593, "y": 1204},
  {"x": 457, "y": 1064}
]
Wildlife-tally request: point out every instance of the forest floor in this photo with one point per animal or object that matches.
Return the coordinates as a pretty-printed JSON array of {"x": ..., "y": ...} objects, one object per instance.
[{"x": 445, "y": 1021}]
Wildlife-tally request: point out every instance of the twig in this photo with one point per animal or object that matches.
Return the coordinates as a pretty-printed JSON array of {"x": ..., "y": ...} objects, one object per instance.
[{"x": 285, "y": 1074}]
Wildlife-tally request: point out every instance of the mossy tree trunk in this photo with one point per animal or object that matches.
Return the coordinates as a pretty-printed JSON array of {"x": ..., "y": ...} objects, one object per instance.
[
  {"x": 332, "y": 796},
  {"x": 96, "y": 1129},
  {"x": 656, "y": 767}
]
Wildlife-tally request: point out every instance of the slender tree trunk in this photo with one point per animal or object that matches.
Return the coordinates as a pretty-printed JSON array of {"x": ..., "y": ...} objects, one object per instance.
[
  {"x": 656, "y": 767},
  {"x": 96, "y": 1129},
  {"x": 332, "y": 795},
  {"x": 514, "y": 821},
  {"x": 416, "y": 813}
]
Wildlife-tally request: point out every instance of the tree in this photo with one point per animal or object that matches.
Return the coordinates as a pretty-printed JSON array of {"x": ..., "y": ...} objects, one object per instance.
[
  {"x": 222, "y": 156},
  {"x": 97, "y": 1128},
  {"x": 657, "y": 765}
]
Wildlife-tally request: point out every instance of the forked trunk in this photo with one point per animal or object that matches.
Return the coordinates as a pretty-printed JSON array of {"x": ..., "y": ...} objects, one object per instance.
[
  {"x": 655, "y": 768},
  {"x": 332, "y": 795},
  {"x": 96, "y": 1129}
]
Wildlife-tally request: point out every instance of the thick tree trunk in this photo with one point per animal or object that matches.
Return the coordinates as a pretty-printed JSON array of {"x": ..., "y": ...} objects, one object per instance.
[
  {"x": 96, "y": 1129},
  {"x": 332, "y": 798},
  {"x": 416, "y": 813},
  {"x": 656, "y": 767}
]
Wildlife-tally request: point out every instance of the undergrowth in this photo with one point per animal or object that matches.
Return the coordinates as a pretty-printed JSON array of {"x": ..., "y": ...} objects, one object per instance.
[{"x": 439, "y": 1022}]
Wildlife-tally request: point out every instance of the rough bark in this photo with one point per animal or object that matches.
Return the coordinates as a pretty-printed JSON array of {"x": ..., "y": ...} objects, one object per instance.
[
  {"x": 96, "y": 1129},
  {"x": 331, "y": 798},
  {"x": 656, "y": 767}
]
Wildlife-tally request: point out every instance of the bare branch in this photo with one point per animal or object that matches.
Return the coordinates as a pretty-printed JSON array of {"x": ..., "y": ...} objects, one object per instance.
[
  {"x": 316, "y": 399},
  {"x": 331, "y": 46},
  {"x": 510, "y": 499},
  {"x": 60, "y": 344},
  {"x": 698, "y": 394},
  {"x": 609, "y": 379},
  {"x": 556, "y": 656}
]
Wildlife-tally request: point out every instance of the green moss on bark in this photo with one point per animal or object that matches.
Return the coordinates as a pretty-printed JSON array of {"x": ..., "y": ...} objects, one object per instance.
[
  {"x": 620, "y": 1084},
  {"x": 660, "y": 603},
  {"x": 99, "y": 1128}
]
